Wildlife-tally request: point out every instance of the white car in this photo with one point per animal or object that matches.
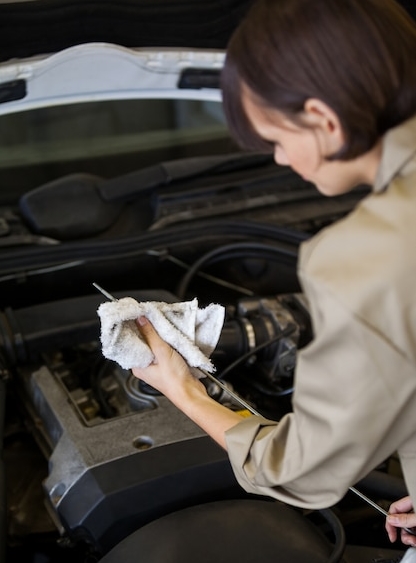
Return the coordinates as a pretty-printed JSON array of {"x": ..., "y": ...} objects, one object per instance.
[{"x": 116, "y": 168}]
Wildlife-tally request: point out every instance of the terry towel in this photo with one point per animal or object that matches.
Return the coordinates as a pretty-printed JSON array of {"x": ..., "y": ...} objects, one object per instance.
[{"x": 192, "y": 331}]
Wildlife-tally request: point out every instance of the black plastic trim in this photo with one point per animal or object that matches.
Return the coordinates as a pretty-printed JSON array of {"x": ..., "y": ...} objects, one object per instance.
[
  {"x": 198, "y": 78},
  {"x": 12, "y": 91},
  {"x": 112, "y": 500}
]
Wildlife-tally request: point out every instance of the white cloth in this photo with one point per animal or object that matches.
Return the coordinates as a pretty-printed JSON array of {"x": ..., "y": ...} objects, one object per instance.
[
  {"x": 192, "y": 331},
  {"x": 409, "y": 556}
]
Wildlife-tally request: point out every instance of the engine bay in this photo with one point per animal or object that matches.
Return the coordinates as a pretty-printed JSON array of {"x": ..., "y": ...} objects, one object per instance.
[{"x": 93, "y": 454}]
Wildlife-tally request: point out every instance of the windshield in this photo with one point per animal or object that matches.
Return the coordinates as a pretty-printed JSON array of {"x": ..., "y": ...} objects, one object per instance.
[{"x": 106, "y": 138}]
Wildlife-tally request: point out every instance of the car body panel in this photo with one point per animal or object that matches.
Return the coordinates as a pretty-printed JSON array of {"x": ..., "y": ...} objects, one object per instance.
[{"x": 95, "y": 72}]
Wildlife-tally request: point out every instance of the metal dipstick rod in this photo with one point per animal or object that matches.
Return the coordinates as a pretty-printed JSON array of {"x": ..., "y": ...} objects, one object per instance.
[
  {"x": 379, "y": 508},
  {"x": 104, "y": 292},
  {"x": 245, "y": 405},
  {"x": 369, "y": 501}
]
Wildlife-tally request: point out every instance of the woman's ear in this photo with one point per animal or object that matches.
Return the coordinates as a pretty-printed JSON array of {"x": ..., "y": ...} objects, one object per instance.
[{"x": 318, "y": 115}]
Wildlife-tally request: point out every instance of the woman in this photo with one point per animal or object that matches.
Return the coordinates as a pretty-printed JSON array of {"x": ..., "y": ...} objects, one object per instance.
[{"x": 330, "y": 88}]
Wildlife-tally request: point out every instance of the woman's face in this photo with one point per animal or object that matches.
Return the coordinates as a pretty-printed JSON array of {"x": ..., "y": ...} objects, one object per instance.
[{"x": 304, "y": 148}]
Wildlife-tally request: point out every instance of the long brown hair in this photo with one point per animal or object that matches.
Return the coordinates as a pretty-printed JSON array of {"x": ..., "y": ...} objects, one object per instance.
[{"x": 357, "y": 56}]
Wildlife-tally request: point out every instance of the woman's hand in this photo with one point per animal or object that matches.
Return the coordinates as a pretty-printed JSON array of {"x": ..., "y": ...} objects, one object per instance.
[
  {"x": 400, "y": 516},
  {"x": 169, "y": 371},
  {"x": 170, "y": 374}
]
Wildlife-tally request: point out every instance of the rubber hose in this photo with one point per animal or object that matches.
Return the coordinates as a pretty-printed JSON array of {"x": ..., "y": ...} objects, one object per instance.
[{"x": 339, "y": 532}]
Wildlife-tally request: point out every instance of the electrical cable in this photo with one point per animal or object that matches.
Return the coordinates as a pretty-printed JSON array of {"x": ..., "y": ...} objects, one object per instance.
[
  {"x": 213, "y": 279},
  {"x": 40, "y": 271},
  {"x": 222, "y": 253}
]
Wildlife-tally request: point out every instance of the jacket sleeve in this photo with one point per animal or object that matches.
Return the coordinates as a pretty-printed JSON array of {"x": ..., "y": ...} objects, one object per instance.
[{"x": 354, "y": 403}]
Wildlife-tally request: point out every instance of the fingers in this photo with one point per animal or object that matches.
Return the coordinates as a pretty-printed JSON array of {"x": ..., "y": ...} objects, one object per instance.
[
  {"x": 146, "y": 329},
  {"x": 401, "y": 506},
  {"x": 391, "y": 531},
  {"x": 408, "y": 539},
  {"x": 402, "y": 520},
  {"x": 158, "y": 346},
  {"x": 155, "y": 343},
  {"x": 163, "y": 353},
  {"x": 168, "y": 373},
  {"x": 399, "y": 518}
]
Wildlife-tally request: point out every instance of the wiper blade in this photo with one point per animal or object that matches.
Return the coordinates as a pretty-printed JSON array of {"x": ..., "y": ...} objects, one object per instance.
[{"x": 83, "y": 205}]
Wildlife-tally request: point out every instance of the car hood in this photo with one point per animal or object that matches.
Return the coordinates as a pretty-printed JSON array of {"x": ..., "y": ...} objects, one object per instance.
[
  {"x": 100, "y": 71},
  {"x": 54, "y": 53},
  {"x": 57, "y": 52}
]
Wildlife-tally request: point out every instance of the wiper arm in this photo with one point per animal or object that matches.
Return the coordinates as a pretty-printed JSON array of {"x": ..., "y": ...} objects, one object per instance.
[{"x": 133, "y": 184}]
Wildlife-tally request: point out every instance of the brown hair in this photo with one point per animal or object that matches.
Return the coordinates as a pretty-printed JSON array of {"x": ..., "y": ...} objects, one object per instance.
[{"x": 357, "y": 56}]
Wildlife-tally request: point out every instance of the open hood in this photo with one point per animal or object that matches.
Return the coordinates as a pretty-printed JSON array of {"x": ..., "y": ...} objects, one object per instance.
[
  {"x": 101, "y": 71},
  {"x": 54, "y": 53}
]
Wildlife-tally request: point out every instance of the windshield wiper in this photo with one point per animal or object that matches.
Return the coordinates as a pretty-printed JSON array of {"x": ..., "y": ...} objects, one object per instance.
[
  {"x": 131, "y": 185},
  {"x": 83, "y": 205}
]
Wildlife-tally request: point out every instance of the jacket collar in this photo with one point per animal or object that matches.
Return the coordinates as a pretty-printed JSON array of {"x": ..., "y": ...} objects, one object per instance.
[{"x": 399, "y": 147}]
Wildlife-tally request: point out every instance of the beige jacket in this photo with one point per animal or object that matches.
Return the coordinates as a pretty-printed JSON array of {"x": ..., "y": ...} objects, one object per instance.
[{"x": 355, "y": 387}]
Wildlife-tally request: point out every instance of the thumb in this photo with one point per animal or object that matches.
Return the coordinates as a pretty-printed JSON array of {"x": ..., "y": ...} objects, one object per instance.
[
  {"x": 148, "y": 331},
  {"x": 144, "y": 326},
  {"x": 142, "y": 321},
  {"x": 401, "y": 520}
]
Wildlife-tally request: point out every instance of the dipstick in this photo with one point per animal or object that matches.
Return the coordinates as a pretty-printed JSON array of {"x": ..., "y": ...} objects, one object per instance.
[{"x": 253, "y": 411}]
